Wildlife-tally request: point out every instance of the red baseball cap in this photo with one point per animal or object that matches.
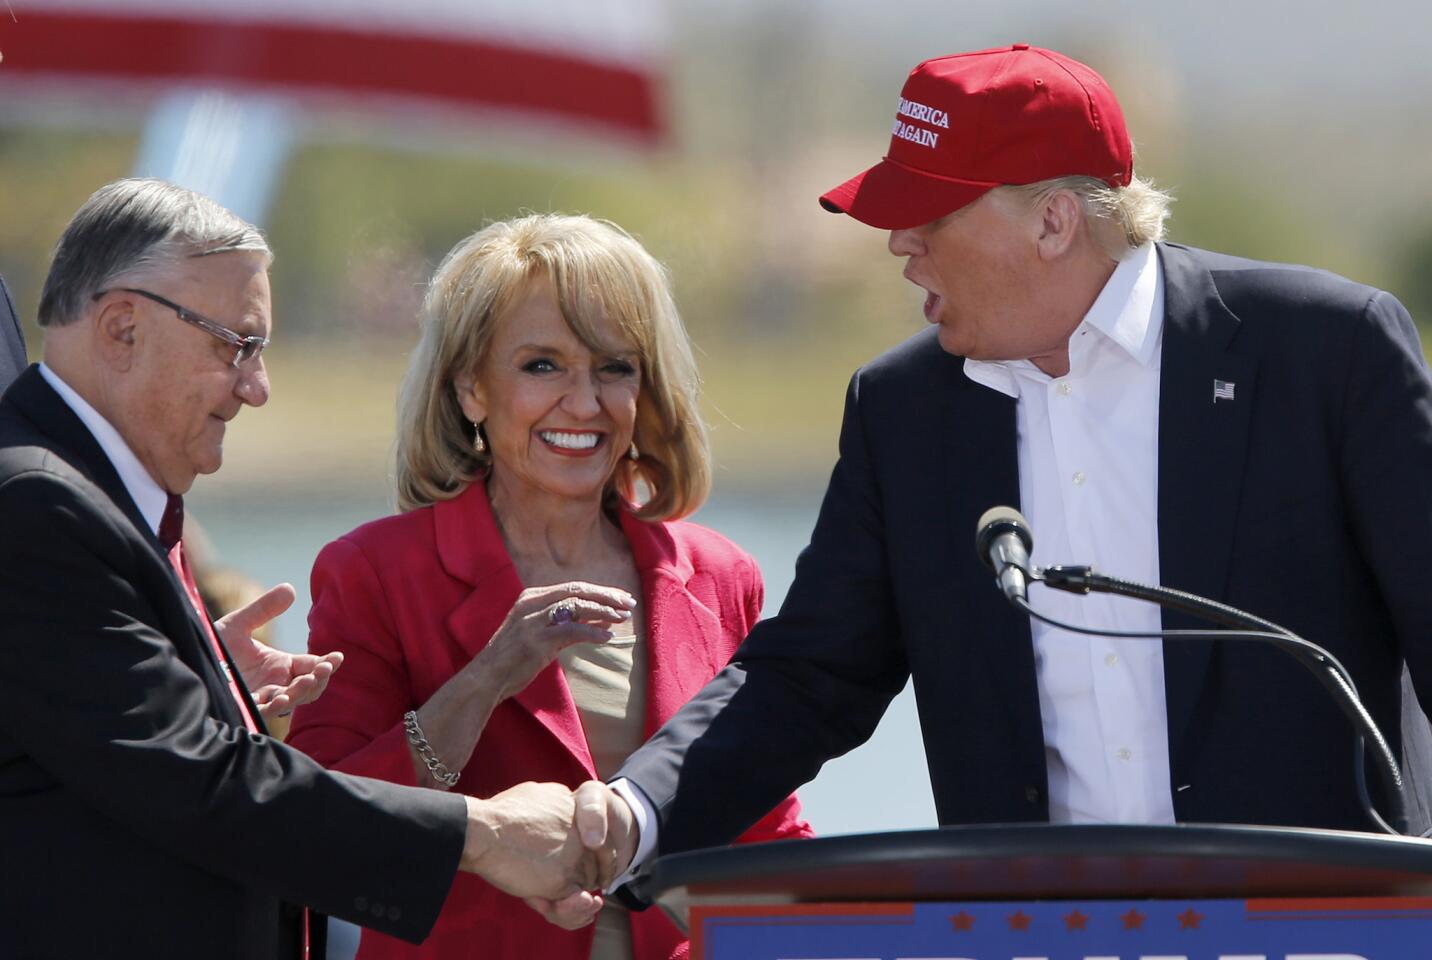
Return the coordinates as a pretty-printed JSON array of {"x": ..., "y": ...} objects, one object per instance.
[{"x": 970, "y": 122}]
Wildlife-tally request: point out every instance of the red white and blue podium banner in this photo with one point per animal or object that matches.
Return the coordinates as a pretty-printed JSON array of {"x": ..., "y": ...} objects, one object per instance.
[
  {"x": 592, "y": 63},
  {"x": 1338, "y": 929}
]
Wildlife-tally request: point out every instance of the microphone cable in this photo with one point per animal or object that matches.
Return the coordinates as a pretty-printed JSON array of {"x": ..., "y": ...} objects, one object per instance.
[{"x": 1299, "y": 648}]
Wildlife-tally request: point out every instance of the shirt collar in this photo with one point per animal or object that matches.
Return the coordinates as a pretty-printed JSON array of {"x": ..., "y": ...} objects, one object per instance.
[
  {"x": 1124, "y": 309},
  {"x": 147, "y": 495},
  {"x": 1127, "y": 312}
]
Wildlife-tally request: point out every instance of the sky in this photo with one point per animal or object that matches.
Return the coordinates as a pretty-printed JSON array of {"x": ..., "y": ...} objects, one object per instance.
[{"x": 1333, "y": 50}]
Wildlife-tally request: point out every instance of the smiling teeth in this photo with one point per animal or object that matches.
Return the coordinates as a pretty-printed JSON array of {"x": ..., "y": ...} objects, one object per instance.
[{"x": 570, "y": 441}]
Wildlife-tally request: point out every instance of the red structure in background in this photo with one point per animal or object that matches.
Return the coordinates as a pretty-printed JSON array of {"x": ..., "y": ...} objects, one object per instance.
[{"x": 434, "y": 62}]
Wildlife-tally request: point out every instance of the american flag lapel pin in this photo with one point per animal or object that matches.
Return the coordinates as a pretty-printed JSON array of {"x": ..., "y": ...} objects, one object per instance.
[{"x": 1222, "y": 390}]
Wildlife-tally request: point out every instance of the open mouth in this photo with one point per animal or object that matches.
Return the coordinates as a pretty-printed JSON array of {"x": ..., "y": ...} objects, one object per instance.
[
  {"x": 571, "y": 442},
  {"x": 932, "y": 305}
]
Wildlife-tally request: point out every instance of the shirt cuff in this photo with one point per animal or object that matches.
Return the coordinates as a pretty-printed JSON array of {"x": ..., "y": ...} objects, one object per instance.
[{"x": 645, "y": 815}]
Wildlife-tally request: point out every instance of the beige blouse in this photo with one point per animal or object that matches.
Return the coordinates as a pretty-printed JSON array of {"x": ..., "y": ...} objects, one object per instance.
[{"x": 608, "y": 684}]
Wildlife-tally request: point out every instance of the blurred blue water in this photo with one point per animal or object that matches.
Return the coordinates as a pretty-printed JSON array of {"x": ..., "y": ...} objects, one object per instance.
[{"x": 880, "y": 786}]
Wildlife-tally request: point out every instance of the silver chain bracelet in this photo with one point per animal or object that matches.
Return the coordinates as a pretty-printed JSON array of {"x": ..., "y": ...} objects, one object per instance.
[{"x": 425, "y": 750}]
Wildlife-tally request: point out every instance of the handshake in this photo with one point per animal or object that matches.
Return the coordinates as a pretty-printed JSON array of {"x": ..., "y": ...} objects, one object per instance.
[{"x": 554, "y": 847}]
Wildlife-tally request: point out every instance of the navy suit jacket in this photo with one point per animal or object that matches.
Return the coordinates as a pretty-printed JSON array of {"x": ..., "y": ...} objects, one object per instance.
[
  {"x": 12, "y": 339},
  {"x": 1306, "y": 499},
  {"x": 138, "y": 817}
]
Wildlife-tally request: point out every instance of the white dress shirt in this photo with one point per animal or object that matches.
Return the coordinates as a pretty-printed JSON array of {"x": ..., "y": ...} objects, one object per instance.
[
  {"x": 1088, "y": 484},
  {"x": 148, "y": 496}
]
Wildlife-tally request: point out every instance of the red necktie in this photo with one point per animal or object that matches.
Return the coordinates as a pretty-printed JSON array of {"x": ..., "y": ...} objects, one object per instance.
[{"x": 171, "y": 531}]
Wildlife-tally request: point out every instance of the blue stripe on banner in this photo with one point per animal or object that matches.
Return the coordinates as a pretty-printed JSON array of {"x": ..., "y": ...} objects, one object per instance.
[{"x": 1360, "y": 929}]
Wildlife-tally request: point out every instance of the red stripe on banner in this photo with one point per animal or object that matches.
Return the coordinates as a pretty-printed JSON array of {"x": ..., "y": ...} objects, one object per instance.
[
  {"x": 465, "y": 72},
  {"x": 809, "y": 910},
  {"x": 1339, "y": 905},
  {"x": 834, "y": 912}
]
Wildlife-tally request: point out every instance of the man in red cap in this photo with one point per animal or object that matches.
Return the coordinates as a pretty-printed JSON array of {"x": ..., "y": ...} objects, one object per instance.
[{"x": 1256, "y": 433}]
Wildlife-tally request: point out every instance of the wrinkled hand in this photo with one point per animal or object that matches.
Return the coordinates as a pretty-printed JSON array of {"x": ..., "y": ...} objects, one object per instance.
[
  {"x": 277, "y": 679},
  {"x": 607, "y": 829},
  {"x": 524, "y": 841},
  {"x": 528, "y": 640}
]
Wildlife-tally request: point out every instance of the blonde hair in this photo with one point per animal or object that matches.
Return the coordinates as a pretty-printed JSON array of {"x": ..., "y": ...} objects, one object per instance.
[
  {"x": 1120, "y": 218},
  {"x": 597, "y": 270}
]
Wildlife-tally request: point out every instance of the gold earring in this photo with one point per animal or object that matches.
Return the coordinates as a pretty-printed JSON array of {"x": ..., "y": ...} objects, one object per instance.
[
  {"x": 633, "y": 453},
  {"x": 479, "y": 445}
]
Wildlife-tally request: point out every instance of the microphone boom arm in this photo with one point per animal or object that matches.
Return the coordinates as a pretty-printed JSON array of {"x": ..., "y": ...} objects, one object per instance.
[{"x": 1322, "y": 664}]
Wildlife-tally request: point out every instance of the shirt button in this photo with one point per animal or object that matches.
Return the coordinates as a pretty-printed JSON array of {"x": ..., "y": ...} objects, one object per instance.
[
  {"x": 1125, "y": 753},
  {"x": 1065, "y": 388},
  {"x": 1110, "y": 659},
  {"x": 1079, "y": 478}
]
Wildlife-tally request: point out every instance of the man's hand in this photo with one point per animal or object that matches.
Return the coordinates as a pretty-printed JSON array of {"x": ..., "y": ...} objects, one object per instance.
[
  {"x": 278, "y": 680},
  {"x": 524, "y": 841},
  {"x": 553, "y": 848},
  {"x": 607, "y": 828}
]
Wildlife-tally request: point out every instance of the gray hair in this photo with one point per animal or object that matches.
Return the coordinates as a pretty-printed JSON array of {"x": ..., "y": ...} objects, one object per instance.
[
  {"x": 132, "y": 228},
  {"x": 1120, "y": 218}
]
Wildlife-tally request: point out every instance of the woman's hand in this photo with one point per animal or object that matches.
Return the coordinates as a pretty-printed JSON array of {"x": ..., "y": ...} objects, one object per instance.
[{"x": 542, "y": 622}]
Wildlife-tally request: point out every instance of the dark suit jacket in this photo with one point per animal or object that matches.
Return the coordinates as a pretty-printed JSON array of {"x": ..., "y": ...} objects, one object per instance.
[
  {"x": 137, "y": 816},
  {"x": 12, "y": 339},
  {"x": 1307, "y": 499}
]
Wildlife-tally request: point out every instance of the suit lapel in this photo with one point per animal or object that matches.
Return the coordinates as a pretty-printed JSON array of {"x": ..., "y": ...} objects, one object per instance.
[
  {"x": 1202, "y": 447},
  {"x": 51, "y": 416},
  {"x": 684, "y": 637},
  {"x": 12, "y": 339},
  {"x": 220, "y": 661},
  {"x": 471, "y": 550},
  {"x": 244, "y": 692},
  {"x": 983, "y": 462}
]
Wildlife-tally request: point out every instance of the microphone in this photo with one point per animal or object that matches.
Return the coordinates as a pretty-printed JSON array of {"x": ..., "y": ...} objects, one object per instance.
[{"x": 1003, "y": 542}]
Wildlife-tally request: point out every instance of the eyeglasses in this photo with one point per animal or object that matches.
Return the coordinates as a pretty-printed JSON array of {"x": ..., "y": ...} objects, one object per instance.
[{"x": 245, "y": 348}]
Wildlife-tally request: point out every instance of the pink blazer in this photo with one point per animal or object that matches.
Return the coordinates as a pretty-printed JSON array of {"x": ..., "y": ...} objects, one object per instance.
[{"x": 410, "y": 599}]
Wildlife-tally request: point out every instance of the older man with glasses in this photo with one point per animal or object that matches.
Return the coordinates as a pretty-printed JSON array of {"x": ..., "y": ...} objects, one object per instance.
[
  {"x": 137, "y": 787},
  {"x": 245, "y": 348}
]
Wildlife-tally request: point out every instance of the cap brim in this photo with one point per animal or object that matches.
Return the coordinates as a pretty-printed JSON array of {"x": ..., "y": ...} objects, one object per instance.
[{"x": 892, "y": 196}]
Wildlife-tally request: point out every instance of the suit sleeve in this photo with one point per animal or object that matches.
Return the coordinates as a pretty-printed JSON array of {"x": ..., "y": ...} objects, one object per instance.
[
  {"x": 12, "y": 339},
  {"x": 806, "y": 686},
  {"x": 1386, "y": 464},
  {"x": 355, "y": 726},
  {"x": 97, "y": 696},
  {"x": 784, "y": 822}
]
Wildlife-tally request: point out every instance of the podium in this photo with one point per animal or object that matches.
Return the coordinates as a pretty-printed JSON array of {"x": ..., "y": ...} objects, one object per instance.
[{"x": 1047, "y": 892}]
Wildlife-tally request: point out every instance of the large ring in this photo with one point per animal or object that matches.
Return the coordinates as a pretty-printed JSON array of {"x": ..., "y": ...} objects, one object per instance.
[{"x": 562, "y": 613}]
